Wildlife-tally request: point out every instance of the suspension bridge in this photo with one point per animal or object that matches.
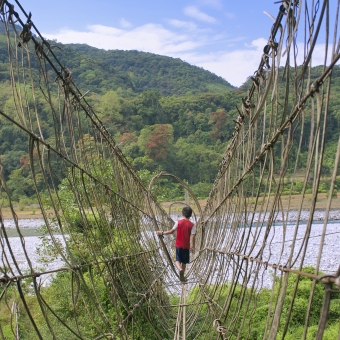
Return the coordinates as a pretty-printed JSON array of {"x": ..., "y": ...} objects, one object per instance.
[{"x": 250, "y": 243}]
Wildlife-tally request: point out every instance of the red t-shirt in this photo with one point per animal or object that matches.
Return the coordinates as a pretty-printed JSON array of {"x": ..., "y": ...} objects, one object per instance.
[{"x": 184, "y": 230}]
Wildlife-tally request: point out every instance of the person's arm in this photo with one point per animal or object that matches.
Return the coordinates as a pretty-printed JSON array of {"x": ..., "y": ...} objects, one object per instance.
[
  {"x": 192, "y": 243},
  {"x": 192, "y": 239},
  {"x": 161, "y": 233}
]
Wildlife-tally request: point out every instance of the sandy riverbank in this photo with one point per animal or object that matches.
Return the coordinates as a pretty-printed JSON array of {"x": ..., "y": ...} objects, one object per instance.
[
  {"x": 33, "y": 212},
  {"x": 293, "y": 202}
]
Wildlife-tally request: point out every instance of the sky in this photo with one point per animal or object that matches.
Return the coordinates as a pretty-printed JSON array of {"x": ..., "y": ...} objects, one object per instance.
[{"x": 222, "y": 36}]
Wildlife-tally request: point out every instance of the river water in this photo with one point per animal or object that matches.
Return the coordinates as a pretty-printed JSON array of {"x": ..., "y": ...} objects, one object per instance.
[
  {"x": 29, "y": 229},
  {"x": 329, "y": 262}
]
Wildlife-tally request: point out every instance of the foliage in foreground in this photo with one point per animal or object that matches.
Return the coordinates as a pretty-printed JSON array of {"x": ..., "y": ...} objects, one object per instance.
[{"x": 249, "y": 321}]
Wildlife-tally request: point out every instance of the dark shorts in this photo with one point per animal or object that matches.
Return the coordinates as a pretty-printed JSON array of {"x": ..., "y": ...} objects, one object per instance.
[{"x": 182, "y": 255}]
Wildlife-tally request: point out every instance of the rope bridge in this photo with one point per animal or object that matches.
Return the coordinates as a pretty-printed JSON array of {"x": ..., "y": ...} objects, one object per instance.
[{"x": 256, "y": 256}]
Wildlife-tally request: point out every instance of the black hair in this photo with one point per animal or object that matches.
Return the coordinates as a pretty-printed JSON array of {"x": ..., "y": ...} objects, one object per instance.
[{"x": 187, "y": 212}]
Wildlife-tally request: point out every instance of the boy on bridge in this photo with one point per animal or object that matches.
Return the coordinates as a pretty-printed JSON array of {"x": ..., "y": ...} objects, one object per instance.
[{"x": 185, "y": 240}]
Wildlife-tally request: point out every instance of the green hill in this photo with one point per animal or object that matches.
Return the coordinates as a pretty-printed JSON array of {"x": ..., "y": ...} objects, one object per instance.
[{"x": 100, "y": 70}]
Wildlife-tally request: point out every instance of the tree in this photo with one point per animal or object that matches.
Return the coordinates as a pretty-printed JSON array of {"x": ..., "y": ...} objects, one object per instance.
[
  {"x": 149, "y": 108},
  {"x": 160, "y": 141},
  {"x": 110, "y": 105},
  {"x": 219, "y": 119},
  {"x": 128, "y": 138}
]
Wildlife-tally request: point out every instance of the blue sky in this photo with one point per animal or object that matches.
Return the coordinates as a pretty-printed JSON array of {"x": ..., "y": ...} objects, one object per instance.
[{"x": 224, "y": 37}]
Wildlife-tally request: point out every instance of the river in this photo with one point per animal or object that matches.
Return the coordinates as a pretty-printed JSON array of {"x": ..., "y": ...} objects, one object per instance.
[{"x": 276, "y": 254}]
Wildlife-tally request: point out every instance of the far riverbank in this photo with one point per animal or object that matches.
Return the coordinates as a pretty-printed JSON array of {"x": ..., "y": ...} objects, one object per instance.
[{"x": 294, "y": 202}]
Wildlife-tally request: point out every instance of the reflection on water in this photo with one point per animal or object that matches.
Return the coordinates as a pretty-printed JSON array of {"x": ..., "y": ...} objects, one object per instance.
[
  {"x": 28, "y": 227},
  {"x": 25, "y": 232}
]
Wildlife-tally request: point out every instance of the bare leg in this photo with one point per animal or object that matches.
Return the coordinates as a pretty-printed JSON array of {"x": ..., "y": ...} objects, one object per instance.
[{"x": 183, "y": 267}]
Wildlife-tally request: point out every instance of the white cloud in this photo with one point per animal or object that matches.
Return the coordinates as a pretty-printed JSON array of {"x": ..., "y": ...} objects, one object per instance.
[
  {"x": 318, "y": 57},
  {"x": 234, "y": 66},
  {"x": 124, "y": 23},
  {"x": 149, "y": 38},
  {"x": 182, "y": 24},
  {"x": 195, "y": 13},
  {"x": 105, "y": 30},
  {"x": 258, "y": 43}
]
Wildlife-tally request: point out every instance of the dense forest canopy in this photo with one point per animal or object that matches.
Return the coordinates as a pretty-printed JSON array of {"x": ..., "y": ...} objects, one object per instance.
[
  {"x": 101, "y": 70},
  {"x": 164, "y": 113}
]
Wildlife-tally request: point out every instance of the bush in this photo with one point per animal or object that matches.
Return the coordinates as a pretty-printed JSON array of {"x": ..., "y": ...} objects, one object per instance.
[{"x": 201, "y": 190}]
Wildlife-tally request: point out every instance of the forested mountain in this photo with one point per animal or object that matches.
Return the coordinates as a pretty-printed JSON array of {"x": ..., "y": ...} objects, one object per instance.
[
  {"x": 100, "y": 70},
  {"x": 160, "y": 109},
  {"x": 165, "y": 113},
  {"x": 130, "y": 72}
]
